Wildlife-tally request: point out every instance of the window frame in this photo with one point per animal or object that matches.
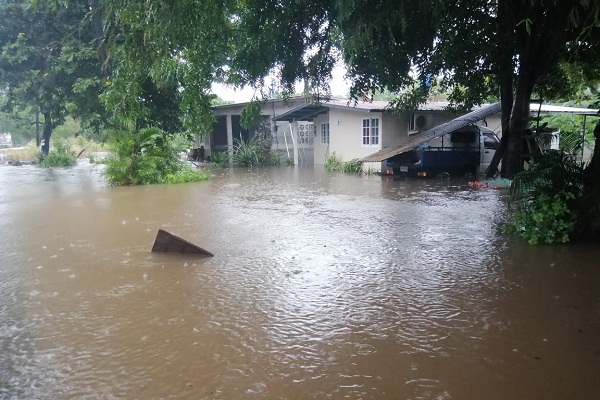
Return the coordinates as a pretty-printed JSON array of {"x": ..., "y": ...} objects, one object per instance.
[
  {"x": 325, "y": 133},
  {"x": 370, "y": 132}
]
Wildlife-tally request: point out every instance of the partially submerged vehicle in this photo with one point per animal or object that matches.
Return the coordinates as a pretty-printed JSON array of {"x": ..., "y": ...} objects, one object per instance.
[{"x": 464, "y": 151}]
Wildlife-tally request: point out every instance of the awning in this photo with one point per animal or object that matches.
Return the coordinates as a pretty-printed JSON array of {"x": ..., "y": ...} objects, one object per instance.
[
  {"x": 305, "y": 112},
  {"x": 434, "y": 133}
]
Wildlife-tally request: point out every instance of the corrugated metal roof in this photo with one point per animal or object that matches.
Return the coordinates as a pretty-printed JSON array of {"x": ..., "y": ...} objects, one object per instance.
[{"x": 436, "y": 132}]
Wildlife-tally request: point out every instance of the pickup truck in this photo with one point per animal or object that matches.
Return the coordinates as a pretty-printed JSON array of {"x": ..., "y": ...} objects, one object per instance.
[{"x": 464, "y": 151}]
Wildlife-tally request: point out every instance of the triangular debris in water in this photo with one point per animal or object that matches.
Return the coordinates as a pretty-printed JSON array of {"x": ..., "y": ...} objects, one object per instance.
[{"x": 168, "y": 243}]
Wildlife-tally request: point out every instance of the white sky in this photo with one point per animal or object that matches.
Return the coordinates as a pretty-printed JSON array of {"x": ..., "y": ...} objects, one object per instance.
[{"x": 339, "y": 87}]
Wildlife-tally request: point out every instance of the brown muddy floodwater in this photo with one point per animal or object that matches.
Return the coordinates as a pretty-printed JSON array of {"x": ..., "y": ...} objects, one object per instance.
[{"x": 323, "y": 286}]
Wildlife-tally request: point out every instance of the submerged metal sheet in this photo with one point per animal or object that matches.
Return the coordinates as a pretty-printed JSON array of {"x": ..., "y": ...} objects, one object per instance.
[{"x": 436, "y": 132}]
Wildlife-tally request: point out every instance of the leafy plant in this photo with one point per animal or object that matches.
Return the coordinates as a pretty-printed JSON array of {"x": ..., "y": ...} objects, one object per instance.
[
  {"x": 352, "y": 167},
  {"x": 546, "y": 196},
  {"x": 251, "y": 115},
  {"x": 220, "y": 159},
  {"x": 145, "y": 157},
  {"x": 333, "y": 163},
  {"x": 60, "y": 156},
  {"x": 187, "y": 174},
  {"x": 245, "y": 154}
]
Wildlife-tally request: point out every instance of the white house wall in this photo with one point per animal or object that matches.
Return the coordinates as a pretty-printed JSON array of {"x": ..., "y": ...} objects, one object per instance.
[
  {"x": 345, "y": 133},
  {"x": 321, "y": 150}
]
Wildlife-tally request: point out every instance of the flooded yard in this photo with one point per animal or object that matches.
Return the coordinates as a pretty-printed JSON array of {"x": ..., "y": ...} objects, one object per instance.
[{"x": 323, "y": 285}]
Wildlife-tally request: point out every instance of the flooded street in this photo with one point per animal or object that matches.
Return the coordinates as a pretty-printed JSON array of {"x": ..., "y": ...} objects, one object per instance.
[{"x": 323, "y": 286}]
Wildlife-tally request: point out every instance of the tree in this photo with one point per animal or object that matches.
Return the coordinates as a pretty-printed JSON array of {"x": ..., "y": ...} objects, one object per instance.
[
  {"x": 479, "y": 49},
  {"x": 48, "y": 61}
]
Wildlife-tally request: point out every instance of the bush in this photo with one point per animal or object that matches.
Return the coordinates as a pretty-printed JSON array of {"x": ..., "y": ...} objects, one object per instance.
[
  {"x": 220, "y": 159},
  {"x": 187, "y": 174},
  {"x": 352, "y": 167},
  {"x": 146, "y": 157},
  {"x": 545, "y": 218},
  {"x": 547, "y": 196},
  {"x": 245, "y": 154},
  {"x": 333, "y": 163},
  {"x": 61, "y": 156}
]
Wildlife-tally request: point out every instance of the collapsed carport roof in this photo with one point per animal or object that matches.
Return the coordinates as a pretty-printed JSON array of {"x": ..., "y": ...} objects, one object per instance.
[
  {"x": 468, "y": 119},
  {"x": 436, "y": 132}
]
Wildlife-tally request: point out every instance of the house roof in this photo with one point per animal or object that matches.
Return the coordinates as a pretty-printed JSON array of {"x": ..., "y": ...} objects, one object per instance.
[
  {"x": 436, "y": 132},
  {"x": 308, "y": 111},
  {"x": 305, "y": 112}
]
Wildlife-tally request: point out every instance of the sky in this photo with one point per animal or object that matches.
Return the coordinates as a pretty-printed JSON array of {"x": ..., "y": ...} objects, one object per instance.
[{"x": 339, "y": 87}]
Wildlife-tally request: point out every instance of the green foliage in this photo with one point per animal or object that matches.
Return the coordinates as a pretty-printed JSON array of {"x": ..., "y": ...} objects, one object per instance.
[
  {"x": 49, "y": 62},
  {"x": 545, "y": 218},
  {"x": 145, "y": 157},
  {"x": 546, "y": 196},
  {"x": 251, "y": 115},
  {"x": 187, "y": 174},
  {"x": 256, "y": 151},
  {"x": 352, "y": 167},
  {"x": 333, "y": 163},
  {"x": 245, "y": 153},
  {"x": 60, "y": 156},
  {"x": 220, "y": 159}
]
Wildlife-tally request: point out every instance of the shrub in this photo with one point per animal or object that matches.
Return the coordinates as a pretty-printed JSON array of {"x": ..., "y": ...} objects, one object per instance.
[
  {"x": 333, "y": 163},
  {"x": 546, "y": 196},
  {"x": 60, "y": 156},
  {"x": 245, "y": 154},
  {"x": 220, "y": 159},
  {"x": 352, "y": 167},
  {"x": 146, "y": 157},
  {"x": 187, "y": 174}
]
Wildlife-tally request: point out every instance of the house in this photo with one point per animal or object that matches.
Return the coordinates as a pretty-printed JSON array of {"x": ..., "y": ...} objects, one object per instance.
[
  {"x": 227, "y": 129},
  {"x": 308, "y": 133},
  {"x": 356, "y": 130}
]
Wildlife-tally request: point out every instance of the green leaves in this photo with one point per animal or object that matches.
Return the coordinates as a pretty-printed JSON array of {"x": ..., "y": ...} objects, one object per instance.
[
  {"x": 547, "y": 196},
  {"x": 147, "y": 156}
]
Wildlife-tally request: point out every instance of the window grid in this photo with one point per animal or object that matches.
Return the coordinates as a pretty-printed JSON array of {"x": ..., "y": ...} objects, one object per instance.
[
  {"x": 325, "y": 133},
  {"x": 370, "y": 132}
]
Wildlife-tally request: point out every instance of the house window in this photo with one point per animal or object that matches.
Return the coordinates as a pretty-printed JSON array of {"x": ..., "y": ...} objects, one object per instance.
[
  {"x": 325, "y": 133},
  {"x": 370, "y": 132}
]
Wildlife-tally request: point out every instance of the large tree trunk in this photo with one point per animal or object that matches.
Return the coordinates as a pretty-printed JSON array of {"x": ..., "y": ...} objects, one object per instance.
[
  {"x": 513, "y": 161},
  {"x": 589, "y": 219},
  {"x": 505, "y": 76}
]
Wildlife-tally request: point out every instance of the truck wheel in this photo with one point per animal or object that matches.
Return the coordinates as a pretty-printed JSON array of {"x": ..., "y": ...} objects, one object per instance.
[{"x": 443, "y": 175}]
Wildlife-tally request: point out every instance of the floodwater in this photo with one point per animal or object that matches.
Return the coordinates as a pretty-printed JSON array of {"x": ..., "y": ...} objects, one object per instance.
[{"x": 323, "y": 286}]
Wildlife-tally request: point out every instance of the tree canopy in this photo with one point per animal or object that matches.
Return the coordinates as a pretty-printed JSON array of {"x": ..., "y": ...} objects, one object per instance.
[
  {"x": 48, "y": 61},
  {"x": 476, "y": 49}
]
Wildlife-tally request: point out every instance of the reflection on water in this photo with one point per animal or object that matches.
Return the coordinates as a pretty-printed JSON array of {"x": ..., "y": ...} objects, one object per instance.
[{"x": 322, "y": 286}]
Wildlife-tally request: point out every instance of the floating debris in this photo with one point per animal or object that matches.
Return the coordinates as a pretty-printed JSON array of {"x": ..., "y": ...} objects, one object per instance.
[{"x": 168, "y": 243}]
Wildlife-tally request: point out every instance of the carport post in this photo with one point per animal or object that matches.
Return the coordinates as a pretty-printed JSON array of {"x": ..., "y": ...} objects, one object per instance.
[
  {"x": 229, "y": 139},
  {"x": 294, "y": 127}
]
